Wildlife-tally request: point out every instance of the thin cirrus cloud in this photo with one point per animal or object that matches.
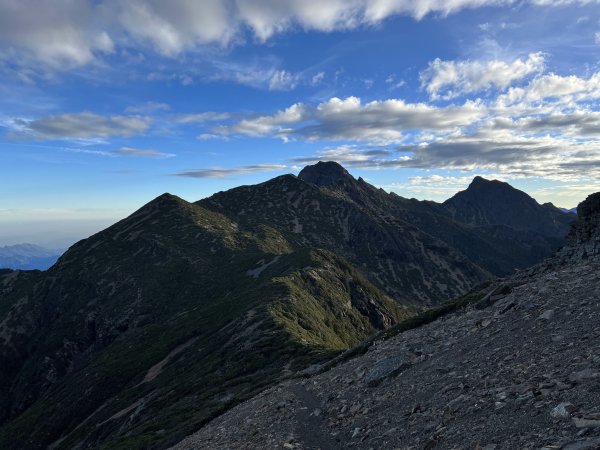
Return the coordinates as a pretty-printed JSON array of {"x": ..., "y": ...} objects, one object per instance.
[
  {"x": 85, "y": 125},
  {"x": 224, "y": 173},
  {"x": 145, "y": 153},
  {"x": 64, "y": 34}
]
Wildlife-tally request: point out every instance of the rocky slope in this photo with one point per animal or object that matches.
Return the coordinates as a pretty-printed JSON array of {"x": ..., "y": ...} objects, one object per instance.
[
  {"x": 518, "y": 368},
  {"x": 146, "y": 331}
]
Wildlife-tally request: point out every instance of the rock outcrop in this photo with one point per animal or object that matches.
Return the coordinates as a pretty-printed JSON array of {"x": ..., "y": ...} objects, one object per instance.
[{"x": 583, "y": 242}]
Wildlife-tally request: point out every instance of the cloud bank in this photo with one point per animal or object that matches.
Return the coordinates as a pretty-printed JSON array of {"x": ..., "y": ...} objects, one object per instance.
[{"x": 70, "y": 33}]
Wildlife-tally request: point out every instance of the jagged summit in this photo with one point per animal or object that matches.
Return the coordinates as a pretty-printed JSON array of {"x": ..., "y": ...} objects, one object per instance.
[{"x": 325, "y": 173}]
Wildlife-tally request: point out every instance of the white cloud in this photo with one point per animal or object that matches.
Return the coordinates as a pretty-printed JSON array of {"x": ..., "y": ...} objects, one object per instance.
[
  {"x": 561, "y": 89},
  {"x": 85, "y": 125},
  {"x": 380, "y": 122},
  {"x": 597, "y": 37},
  {"x": 174, "y": 26},
  {"x": 449, "y": 79},
  {"x": 549, "y": 128},
  {"x": 53, "y": 32},
  {"x": 203, "y": 117},
  {"x": 317, "y": 78},
  {"x": 67, "y": 33},
  {"x": 282, "y": 80},
  {"x": 265, "y": 125}
]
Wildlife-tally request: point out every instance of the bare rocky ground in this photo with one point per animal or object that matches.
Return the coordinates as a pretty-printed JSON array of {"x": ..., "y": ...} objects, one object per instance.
[{"x": 519, "y": 370}]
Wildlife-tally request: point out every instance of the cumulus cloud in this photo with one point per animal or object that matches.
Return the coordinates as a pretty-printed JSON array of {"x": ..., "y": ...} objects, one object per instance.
[
  {"x": 449, "y": 79},
  {"x": 146, "y": 153},
  {"x": 562, "y": 89},
  {"x": 349, "y": 119},
  {"x": 224, "y": 173},
  {"x": 66, "y": 33},
  {"x": 84, "y": 125}
]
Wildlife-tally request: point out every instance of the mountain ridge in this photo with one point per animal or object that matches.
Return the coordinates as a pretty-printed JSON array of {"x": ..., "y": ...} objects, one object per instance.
[
  {"x": 515, "y": 368},
  {"x": 147, "y": 330}
]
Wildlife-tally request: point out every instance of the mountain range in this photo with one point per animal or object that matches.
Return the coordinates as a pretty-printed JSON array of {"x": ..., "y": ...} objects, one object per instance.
[
  {"x": 516, "y": 368},
  {"x": 146, "y": 331},
  {"x": 27, "y": 257}
]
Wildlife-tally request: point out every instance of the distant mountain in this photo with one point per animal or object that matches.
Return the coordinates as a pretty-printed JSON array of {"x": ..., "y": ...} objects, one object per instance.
[
  {"x": 27, "y": 257},
  {"x": 490, "y": 203},
  {"x": 566, "y": 210},
  {"x": 144, "y": 332},
  {"x": 478, "y": 222}
]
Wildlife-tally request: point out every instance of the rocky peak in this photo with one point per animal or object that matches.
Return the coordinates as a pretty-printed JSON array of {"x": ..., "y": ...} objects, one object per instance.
[
  {"x": 590, "y": 207},
  {"x": 490, "y": 203},
  {"x": 583, "y": 241},
  {"x": 480, "y": 184},
  {"x": 325, "y": 173}
]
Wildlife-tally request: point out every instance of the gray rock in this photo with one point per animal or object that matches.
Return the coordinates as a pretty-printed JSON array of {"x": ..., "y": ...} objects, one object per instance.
[
  {"x": 588, "y": 444},
  {"x": 547, "y": 315},
  {"x": 386, "y": 368},
  {"x": 586, "y": 423},
  {"x": 562, "y": 411},
  {"x": 584, "y": 375}
]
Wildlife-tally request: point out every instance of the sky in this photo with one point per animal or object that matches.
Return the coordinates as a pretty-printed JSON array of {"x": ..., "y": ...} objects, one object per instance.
[{"x": 107, "y": 104}]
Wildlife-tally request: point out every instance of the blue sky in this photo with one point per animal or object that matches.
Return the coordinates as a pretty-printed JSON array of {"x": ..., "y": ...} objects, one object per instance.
[{"x": 107, "y": 104}]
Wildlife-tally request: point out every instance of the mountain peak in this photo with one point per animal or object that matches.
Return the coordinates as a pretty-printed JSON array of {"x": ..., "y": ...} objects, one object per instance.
[
  {"x": 480, "y": 182},
  {"x": 324, "y": 173},
  {"x": 493, "y": 202}
]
